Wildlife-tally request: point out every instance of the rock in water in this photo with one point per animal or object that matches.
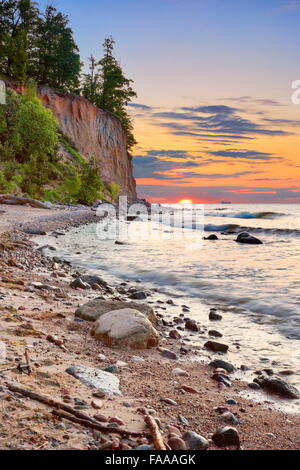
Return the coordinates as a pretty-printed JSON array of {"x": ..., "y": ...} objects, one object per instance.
[
  {"x": 216, "y": 347},
  {"x": 126, "y": 327},
  {"x": 279, "y": 386},
  {"x": 219, "y": 364},
  {"x": 214, "y": 316},
  {"x": 140, "y": 295},
  {"x": 102, "y": 381},
  {"x": 227, "y": 437},
  {"x": 194, "y": 441},
  {"x": 93, "y": 309},
  {"x": 78, "y": 283},
  {"x": 191, "y": 325},
  {"x": 245, "y": 237},
  {"x": 211, "y": 237}
]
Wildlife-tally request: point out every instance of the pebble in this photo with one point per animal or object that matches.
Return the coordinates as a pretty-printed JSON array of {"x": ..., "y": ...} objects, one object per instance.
[
  {"x": 231, "y": 401},
  {"x": 174, "y": 334},
  {"x": 191, "y": 325},
  {"x": 121, "y": 364},
  {"x": 137, "y": 359},
  {"x": 176, "y": 443},
  {"x": 189, "y": 389},
  {"x": 97, "y": 404},
  {"x": 214, "y": 316},
  {"x": 173, "y": 430},
  {"x": 227, "y": 437},
  {"x": 183, "y": 420},
  {"x": 102, "y": 357},
  {"x": 111, "y": 369},
  {"x": 229, "y": 418},
  {"x": 179, "y": 372},
  {"x": 144, "y": 447},
  {"x": 194, "y": 441},
  {"x": 216, "y": 347},
  {"x": 101, "y": 418},
  {"x": 140, "y": 295},
  {"x": 168, "y": 401},
  {"x": 253, "y": 386},
  {"x": 215, "y": 334},
  {"x": 117, "y": 420},
  {"x": 168, "y": 354}
]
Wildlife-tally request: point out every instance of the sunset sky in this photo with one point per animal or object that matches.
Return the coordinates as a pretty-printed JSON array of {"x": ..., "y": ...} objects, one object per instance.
[{"x": 214, "y": 117}]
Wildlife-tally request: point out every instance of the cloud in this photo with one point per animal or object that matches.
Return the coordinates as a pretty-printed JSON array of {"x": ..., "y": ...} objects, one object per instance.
[
  {"x": 147, "y": 166},
  {"x": 250, "y": 99},
  {"x": 293, "y": 5},
  {"x": 244, "y": 154},
  {"x": 142, "y": 107},
  {"x": 214, "y": 121},
  {"x": 185, "y": 176}
]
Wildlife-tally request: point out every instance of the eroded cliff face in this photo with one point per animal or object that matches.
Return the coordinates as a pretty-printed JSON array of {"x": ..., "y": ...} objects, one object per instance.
[{"x": 93, "y": 132}]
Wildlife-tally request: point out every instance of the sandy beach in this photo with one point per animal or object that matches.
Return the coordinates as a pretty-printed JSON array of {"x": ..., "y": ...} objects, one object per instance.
[{"x": 38, "y": 316}]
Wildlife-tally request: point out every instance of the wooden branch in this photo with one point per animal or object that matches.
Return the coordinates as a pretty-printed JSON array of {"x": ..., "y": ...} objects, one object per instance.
[
  {"x": 78, "y": 416},
  {"x": 15, "y": 200},
  {"x": 155, "y": 433},
  {"x": 94, "y": 425}
]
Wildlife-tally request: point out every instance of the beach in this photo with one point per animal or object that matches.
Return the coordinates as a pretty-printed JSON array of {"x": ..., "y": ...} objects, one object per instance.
[{"x": 172, "y": 382}]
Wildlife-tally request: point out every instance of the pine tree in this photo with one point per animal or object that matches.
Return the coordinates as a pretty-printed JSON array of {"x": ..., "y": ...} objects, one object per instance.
[
  {"x": 91, "y": 85},
  {"x": 109, "y": 89},
  {"x": 56, "y": 61}
]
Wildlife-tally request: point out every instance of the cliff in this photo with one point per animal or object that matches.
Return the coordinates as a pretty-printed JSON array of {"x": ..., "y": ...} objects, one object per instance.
[{"x": 93, "y": 132}]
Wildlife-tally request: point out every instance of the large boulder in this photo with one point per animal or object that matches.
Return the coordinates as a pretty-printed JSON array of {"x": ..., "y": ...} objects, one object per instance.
[
  {"x": 246, "y": 238},
  {"x": 125, "y": 328},
  {"x": 93, "y": 309}
]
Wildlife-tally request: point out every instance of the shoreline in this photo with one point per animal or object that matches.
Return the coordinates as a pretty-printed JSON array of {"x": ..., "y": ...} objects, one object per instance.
[{"x": 30, "y": 313}]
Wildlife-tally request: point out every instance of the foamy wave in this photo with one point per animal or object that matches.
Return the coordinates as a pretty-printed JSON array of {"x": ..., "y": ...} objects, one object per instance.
[
  {"x": 235, "y": 228},
  {"x": 246, "y": 215}
]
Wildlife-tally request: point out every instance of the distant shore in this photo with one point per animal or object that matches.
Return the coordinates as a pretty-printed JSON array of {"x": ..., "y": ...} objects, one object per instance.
[{"x": 37, "y": 301}]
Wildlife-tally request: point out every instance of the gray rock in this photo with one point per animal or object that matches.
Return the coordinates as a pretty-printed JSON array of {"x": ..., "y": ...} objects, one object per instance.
[
  {"x": 278, "y": 386},
  {"x": 140, "y": 295},
  {"x": 215, "y": 334},
  {"x": 93, "y": 309},
  {"x": 214, "y": 316},
  {"x": 34, "y": 231},
  {"x": 219, "y": 364},
  {"x": 93, "y": 279},
  {"x": 194, "y": 441},
  {"x": 229, "y": 418},
  {"x": 245, "y": 237},
  {"x": 227, "y": 437},
  {"x": 253, "y": 386},
  {"x": 211, "y": 237},
  {"x": 78, "y": 283},
  {"x": 168, "y": 354},
  {"x": 103, "y": 381},
  {"x": 144, "y": 447}
]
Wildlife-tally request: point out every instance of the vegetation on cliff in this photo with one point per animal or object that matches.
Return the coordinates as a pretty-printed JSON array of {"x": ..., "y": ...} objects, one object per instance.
[{"x": 29, "y": 161}]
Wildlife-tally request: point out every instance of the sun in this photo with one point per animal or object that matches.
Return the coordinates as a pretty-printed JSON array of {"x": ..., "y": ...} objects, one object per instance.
[{"x": 186, "y": 201}]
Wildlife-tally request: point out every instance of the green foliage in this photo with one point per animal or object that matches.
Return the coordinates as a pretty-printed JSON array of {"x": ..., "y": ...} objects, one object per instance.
[
  {"x": 37, "y": 45},
  {"x": 107, "y": 87},
  {"x": 114, "y": 190},
  {"x": 55, "y": 60}
]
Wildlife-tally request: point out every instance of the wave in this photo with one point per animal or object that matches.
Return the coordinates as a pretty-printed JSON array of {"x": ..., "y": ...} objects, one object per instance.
[
  {"x": 235, "y": 228},
  {"x": 247, "y": 215}
]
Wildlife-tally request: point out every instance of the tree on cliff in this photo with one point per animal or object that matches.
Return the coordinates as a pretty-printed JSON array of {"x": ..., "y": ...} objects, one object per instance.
[
  {"x": 38, "y": 46},
  {"x": 55, "y": 60},
  {"x": 109, "y": 89},
  {"x": 18, "y": 19}
]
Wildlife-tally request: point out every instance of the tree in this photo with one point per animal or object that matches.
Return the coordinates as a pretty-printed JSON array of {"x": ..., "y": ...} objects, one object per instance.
[
  {"x": 18, "y": 20},
  {"x": 109, "y": 89},
  {"x": 91, "y": 85},
  {"x": 56, "y": 60}
]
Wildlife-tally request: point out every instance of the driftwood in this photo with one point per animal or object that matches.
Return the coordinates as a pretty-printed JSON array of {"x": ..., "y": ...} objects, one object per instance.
[
  {"x": 155, "y": 433},
  {"x": 78, "y": 416},
  {"x": 16, "y": 200},
  {"x": 93, "y": 424}
]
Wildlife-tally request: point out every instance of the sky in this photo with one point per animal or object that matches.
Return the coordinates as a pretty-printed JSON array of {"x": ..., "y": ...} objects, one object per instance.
[{"x": 214, "y": 119}]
